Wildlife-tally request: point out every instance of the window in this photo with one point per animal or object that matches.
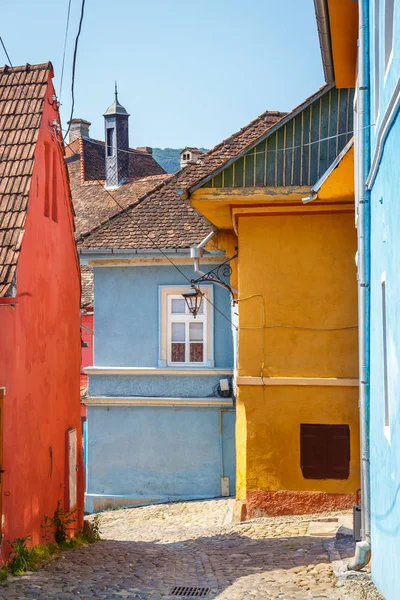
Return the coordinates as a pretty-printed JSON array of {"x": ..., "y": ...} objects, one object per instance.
[
  {"x": 325, "y": 451},
  {"x": 110, "y": 141},
  {"x": 185, "y": 340},
  {"x": 47, "y": 179},
  {"x": 385, "y": 353},
  {"x": 389, "y": 14},
  {"x": 54, "y": 206},
  {"x": 376, "y": 57}
]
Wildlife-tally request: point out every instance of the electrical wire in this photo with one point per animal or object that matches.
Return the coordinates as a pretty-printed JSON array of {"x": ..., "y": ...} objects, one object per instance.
[
  {"x": 124, "y": 210},
  {"x": 74, "y": 66},
  {"x": 65, "y": 47},
  {"x": 5, "y": 51}
]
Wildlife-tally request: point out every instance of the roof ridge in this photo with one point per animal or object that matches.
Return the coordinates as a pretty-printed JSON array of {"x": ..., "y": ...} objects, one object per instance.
[{"x": 27, "y": 67}]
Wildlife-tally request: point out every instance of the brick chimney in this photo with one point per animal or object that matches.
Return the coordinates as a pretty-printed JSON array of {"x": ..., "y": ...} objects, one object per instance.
[
  {"x": 78, "y": 128},
  {"x": 145, "y": 149}
]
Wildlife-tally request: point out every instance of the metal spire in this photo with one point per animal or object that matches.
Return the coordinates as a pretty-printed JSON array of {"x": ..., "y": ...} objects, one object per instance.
[{"x": 116, "y": 92}]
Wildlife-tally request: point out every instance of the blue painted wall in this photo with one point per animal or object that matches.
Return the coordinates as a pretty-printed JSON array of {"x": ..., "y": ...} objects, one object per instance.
[
  {"x": 126, "y": 306},
  {"x": 153, "y": 453},
  {"x": 177, "y": 386},
  {"x": 159, "y": 453},
  {"x": 385, "y": 258}
]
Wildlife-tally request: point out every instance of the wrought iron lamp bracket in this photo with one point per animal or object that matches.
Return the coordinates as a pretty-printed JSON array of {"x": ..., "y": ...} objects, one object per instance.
[{"x": 216, "y": 275}]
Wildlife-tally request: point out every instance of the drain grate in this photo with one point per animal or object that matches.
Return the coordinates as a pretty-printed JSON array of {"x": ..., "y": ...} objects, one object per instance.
[{"x": 190, "y": 592}]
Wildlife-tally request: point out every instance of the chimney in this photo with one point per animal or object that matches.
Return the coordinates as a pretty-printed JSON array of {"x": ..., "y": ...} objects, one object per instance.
[
  {"x": 116, "y": 143},
  {"x": 78, "y": 128},
  {"x": 190, "y": 156},
  {"x": 145, "y": 149}
]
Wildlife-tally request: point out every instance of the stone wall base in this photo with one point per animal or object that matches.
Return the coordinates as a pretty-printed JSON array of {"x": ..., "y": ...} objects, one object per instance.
[{"x": 272, "y": 504}]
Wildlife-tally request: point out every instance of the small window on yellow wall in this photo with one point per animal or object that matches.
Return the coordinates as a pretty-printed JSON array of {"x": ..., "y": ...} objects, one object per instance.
[{"x": 184, "y": 340}]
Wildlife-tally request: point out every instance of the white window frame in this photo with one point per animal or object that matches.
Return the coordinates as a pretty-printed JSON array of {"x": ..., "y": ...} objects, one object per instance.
[
  {"x": 388, "y": 56},
  {"x": 165, "y": 320},
  {"x": 386, "y": 418}
]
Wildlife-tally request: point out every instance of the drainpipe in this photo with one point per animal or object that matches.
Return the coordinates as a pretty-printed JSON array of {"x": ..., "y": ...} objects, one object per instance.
[
  {"x": 363, "y": 548},
  {"x": 322, "y": 14},
  {"x": 196, "y": 252}
]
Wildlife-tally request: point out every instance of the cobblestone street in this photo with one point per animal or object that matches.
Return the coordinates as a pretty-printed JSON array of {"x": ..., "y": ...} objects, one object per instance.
[{"x": 147, "y": 552}]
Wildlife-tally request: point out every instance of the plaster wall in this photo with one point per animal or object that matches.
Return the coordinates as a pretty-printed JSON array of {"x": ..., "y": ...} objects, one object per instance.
[
  {"x": 127, "y": 318},
  {"x": 40, "y": 358},
  {"x": 158, "y": 453},
  {"x": 385, "y": 441},
  {"x": 297, "y": 318}
]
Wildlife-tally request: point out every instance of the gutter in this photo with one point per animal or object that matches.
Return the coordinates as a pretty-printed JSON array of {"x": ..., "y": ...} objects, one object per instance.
[
  {"x": 322, "y": 16},
  {"x": 363, "y": 548}
]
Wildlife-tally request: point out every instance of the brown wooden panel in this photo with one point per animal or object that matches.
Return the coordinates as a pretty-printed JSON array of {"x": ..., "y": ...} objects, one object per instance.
[{"x": 325, "y": 451}]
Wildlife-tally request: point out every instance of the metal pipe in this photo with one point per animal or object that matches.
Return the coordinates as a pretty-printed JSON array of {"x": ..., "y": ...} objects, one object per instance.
[
  {"x": 363, "y": 548},
  {"x": 322, "y": 15}
]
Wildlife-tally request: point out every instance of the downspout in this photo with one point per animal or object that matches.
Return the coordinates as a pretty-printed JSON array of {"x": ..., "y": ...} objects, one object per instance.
[
  {"x": 363, "y": 548},
  {"x": 196, "y": 252}
]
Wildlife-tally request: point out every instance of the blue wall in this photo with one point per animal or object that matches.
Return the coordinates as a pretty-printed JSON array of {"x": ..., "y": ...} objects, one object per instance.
[
  {"x": 126, "y": 305},
  {"x": 158, "y": 453},
  {"x": 385, "y": 258},
  {"x": 189, "y": 386}
]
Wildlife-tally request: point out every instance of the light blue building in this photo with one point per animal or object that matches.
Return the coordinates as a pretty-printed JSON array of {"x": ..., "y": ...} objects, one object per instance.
[
  {"x": 160, "y": 408},
  {"x": 382, "y": 194}
]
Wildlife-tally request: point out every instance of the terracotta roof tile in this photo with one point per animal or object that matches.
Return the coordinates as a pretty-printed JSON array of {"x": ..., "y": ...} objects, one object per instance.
[
  {"x": 92, "y": 204},
  {"x": 22, "y": 93},
  {"x": 161, "y": 218}
]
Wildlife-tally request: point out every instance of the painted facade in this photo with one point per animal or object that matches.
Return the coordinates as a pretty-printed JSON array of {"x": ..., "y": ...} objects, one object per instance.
[
  {"x": 39, "y": 317},
  {"x": 165, "y": 432},
  {"x": 158, "y": 426},
  {"x": 288, "y": 203}
]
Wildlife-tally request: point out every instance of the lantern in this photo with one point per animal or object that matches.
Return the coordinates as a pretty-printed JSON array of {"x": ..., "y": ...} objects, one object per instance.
[{"x": 193, "y": 298}]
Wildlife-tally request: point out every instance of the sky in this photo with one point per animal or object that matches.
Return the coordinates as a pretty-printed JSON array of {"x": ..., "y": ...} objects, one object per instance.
[{"x": 189, "y": 73}]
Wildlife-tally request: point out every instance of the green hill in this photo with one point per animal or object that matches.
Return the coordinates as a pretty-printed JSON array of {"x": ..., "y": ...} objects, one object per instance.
[{"x": 169, "y": 158}]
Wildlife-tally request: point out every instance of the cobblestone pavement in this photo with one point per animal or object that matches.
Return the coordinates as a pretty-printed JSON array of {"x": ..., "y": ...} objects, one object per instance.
[{"x": 147, "y": 551}]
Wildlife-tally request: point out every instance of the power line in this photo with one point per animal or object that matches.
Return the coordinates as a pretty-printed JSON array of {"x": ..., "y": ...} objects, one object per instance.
[
  {"x": 123, "y": 209},
  {"x": 74, "y": 66},
  {"x": 5, "y": 50},
  {"x": 65, "y": 46}
]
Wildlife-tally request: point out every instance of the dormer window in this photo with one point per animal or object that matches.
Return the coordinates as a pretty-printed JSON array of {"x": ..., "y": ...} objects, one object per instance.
[
  {"x": 110, "y": 141},
  {"x": 186, "y": 156}
]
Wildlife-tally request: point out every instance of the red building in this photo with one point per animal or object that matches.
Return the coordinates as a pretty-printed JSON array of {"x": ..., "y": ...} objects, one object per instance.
[{"x": 40, "y": 347}]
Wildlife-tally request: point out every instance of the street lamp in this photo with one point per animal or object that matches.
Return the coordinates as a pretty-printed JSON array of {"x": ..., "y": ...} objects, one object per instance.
[{"x": 193, "y": 298}]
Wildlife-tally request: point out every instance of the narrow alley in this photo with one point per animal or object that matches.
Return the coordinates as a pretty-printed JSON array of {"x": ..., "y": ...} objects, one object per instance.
[{"x": 161, "y": 551}]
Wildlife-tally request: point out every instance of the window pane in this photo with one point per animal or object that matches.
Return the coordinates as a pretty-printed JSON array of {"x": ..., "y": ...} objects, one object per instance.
[
  {"x": 177, "y": 352},
  {"x": 196, "y": 332},
  {"x": 178, "y": 306},
  {"x": 178, "y": 332},
  {"x": 196, "y": 352}
]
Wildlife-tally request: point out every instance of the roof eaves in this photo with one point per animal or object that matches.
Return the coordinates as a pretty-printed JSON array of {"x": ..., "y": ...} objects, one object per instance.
[
  {"x": 317, "y": 186},
  {"x": 325, "y": 42},
  {"x": 274, "y": 127}
]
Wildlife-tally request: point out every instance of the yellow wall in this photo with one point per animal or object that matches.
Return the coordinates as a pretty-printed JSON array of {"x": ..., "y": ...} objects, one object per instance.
[{"x": 304, "y": 269}]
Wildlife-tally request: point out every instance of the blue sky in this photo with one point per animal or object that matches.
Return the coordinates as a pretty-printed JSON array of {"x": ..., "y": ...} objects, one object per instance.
[{"x": 189, "y": 73}]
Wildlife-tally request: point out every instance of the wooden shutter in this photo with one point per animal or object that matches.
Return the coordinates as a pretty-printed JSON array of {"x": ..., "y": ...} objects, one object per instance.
[{"x": 325, "y": 451}]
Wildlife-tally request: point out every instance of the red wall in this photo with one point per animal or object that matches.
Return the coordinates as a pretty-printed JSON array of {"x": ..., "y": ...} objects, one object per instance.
[{"x": 40, "y": 356}]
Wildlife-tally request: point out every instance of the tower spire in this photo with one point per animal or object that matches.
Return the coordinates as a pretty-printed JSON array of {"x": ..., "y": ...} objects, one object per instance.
[{"x": 116, "y": 92}]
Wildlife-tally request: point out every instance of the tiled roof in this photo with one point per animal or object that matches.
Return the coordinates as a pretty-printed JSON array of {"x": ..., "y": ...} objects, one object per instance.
[
  {"x": 162, "y": 218},
  {"x": 92, "y": 204},
  {"x": 22, "y": 93},
  {"x": 87, "y": 287}
]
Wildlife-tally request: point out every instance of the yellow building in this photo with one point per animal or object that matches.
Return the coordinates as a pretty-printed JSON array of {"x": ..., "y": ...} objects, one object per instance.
[{"x": 285, "y": 200}]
